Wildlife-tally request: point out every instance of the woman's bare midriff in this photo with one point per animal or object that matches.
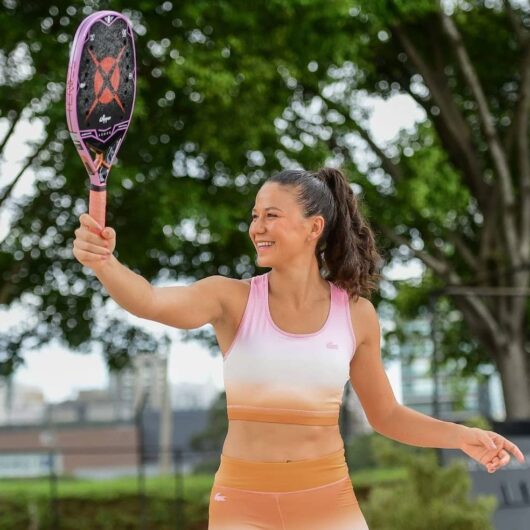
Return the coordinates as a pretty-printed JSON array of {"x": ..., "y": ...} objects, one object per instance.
[
  {"x": 267, "y": 441},
  {"x": 279, "y": 442}
]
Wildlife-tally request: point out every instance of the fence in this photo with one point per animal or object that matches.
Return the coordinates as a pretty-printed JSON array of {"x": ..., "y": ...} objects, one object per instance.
[{"x": 183, "y": 463}]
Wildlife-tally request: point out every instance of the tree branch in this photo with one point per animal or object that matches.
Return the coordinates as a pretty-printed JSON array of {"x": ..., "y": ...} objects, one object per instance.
[
  {"x": 6, "y": 192},
  {"x": 9, "y": 134},
  {"x": 388, "y": 165},
  {"x": 441, "y": 267},
  {"x": 467, "y": 254},
  {"x": 497, "y": 153},
  {"x": 518, "y": 131},
  {"x": 451, "y": 126},
  {"x": 482, "y": 315},
  {"x": 9, "y": 287},
  {"x": 446, "y": 271},
  {"x": 523, "y": 155},
  {"x": 481, "y": 320},
  {"x": 520, "y": 30}
]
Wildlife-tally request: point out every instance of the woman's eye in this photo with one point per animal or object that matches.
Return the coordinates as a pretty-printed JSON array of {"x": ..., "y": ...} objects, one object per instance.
[{"x": 269, "y": 215}]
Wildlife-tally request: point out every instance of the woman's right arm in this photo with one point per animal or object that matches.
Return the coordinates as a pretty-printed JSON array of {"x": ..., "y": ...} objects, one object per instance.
[{"x": 185, "y": 307}]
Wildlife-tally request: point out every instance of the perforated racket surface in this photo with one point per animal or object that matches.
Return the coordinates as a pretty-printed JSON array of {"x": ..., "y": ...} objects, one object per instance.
[{"x": 100, "y": 93}]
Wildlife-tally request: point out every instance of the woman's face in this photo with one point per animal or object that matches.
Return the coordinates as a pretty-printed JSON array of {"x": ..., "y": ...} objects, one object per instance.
[{"x": 277, "y": 218}]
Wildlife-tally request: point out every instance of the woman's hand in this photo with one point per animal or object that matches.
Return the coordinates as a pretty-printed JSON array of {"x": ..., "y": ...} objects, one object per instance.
[
  {"x": 90, "y": 249},
  {"x": 488, "y": 448}
]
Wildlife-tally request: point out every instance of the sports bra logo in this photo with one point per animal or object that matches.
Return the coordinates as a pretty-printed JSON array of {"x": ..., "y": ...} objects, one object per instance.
[{"x": 332, "y": 346}]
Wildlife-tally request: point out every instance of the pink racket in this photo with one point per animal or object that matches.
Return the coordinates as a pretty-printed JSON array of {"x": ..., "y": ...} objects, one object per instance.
[{"x": 100, "y": 93}]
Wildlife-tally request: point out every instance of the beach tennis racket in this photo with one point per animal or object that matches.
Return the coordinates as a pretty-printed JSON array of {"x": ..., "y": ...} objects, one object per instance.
[{"x": 100, "y": 92}]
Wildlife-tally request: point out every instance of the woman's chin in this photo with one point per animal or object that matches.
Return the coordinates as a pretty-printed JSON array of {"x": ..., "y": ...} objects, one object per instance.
[{"x": 260, "y": 258}]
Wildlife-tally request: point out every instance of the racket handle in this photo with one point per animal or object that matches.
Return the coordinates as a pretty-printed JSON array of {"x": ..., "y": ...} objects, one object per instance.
[{"x": 96, "y": 207}]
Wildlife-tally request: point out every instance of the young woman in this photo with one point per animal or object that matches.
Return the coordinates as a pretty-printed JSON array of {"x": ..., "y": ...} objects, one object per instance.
[{"x": 291, "y": 338}]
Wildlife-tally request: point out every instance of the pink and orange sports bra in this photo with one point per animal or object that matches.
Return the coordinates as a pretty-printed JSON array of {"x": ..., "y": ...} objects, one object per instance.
[{"x": 271, "y": 375}]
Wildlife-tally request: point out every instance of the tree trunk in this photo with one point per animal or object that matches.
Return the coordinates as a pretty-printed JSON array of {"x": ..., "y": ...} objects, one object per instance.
[{"x": 513, "y": 370}]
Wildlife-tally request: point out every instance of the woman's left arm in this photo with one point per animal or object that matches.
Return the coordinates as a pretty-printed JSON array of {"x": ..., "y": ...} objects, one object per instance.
[{"x": 403, "y": 424}]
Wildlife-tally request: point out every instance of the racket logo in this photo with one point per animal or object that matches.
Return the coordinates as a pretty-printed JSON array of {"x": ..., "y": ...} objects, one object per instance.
[
  {"x": 106, "y": 81},
  {"x": 104, "y": 119}
]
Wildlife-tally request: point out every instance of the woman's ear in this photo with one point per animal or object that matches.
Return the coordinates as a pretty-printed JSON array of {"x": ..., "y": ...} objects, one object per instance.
[{"x": 317, "y": 226}]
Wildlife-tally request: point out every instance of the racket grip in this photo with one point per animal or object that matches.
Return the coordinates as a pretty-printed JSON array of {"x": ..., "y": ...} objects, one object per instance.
[{"x": 96, "y": 207}]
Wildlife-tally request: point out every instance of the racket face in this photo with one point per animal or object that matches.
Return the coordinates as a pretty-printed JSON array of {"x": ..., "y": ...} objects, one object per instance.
[{"x": 101, "y": 88}]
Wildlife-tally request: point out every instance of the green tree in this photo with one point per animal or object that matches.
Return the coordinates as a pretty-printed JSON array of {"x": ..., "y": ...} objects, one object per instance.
[
  {"x": 455, "y": 192},
  {"x": 231, "y": 91},
  {"x": 213, "y": 436},
  {"x": 202, "y": 138},
  {"x": 430, "y": 497}
]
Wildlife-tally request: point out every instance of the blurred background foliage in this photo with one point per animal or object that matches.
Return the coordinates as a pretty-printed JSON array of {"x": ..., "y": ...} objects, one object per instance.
[{"x": 230, "y": 92}]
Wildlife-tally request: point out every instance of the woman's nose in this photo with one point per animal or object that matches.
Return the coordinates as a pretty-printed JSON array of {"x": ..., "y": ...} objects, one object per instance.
[{"x": 257, "y": 225}]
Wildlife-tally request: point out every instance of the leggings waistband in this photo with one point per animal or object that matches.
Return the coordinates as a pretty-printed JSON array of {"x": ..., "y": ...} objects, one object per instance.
[{"x": 281, "y": 476}]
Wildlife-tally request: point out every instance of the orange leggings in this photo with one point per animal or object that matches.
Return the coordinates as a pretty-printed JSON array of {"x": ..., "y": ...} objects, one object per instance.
[{"x": 315, "y": 494}]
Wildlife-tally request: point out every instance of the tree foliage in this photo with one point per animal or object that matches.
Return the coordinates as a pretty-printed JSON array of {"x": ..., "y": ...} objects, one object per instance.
[{"x": 230, "y": 92}]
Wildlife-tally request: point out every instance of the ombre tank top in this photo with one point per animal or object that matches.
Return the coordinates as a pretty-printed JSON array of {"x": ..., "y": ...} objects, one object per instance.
[{"x": 271, "y": 375}]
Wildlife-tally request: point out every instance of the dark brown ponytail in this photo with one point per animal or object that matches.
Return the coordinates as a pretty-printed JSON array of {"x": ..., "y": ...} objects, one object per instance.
[{"x": 346, "y": 251}]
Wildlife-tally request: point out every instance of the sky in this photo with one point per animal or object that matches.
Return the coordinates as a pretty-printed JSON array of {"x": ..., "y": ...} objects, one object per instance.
[{"x": 60, "y": 373}]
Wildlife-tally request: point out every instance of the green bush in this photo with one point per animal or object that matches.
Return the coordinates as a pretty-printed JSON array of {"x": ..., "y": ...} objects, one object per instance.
[
  {"x": 122, "y": 513},
  {"x": 209, "y": 465},
  {"x": 478, "y": 421},
  {"x": 433, "y": 497},
  {"x": 359, "y": 453}
]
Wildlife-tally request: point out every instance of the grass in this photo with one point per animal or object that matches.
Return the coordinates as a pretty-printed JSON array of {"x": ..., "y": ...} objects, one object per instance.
[
  {"x": 160, "y": 486},
  {"x": 85, "y": 504}
]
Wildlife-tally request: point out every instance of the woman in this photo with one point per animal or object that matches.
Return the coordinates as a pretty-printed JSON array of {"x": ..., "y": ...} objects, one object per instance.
[{"x": 291, "y": 338}]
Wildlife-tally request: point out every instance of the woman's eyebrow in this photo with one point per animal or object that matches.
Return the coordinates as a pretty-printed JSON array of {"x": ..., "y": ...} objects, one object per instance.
[{"x": 270, "y": 208}]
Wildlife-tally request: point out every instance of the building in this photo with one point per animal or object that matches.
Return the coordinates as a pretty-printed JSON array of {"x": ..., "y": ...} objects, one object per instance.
[
  {"x": 146, "y": 377},
  {"x": 21, "y": 404},
  {"x": 458, "y": 398}
]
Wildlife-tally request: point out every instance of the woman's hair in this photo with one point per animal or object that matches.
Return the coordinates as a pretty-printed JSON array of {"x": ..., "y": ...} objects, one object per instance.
[{"x": 346, "y": 251}]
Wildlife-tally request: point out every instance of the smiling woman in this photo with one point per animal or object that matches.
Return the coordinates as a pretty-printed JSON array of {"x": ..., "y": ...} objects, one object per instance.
[
  {"x": 291, "y": 339},
  {"x": 344, "y": 245},
  {"x": 288, "y": 339}
]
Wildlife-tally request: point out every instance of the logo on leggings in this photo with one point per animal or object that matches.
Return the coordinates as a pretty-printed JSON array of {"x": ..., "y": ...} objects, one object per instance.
[{"x": 219, "y": 497}]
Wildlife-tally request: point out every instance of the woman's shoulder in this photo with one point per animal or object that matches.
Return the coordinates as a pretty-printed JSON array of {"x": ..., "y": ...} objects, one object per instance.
[
  {"x": 232, "y": 282},
  {"x": 364, "y": 319},
  {"x": 235, "y": 294},
  {"x": 361, "y": 306},
  {"x": 356, "y": 302}
]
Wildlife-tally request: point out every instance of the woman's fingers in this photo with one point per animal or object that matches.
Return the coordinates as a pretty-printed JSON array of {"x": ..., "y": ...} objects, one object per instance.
[
  {"x": 509, "y": 446},
  {"x": 499, "y": 461},
  {"x": 515, "y": 451},
  {"x": 82, "y": 233},
  {"x": 504, "y": 458},
  {"x": 85, "y": 231},
  {"x": 504, "y": 448},
  {"x": 91, "y": 248},
  {"x": 88, "y": 257},
  {"x": 89, "y": 222}
]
